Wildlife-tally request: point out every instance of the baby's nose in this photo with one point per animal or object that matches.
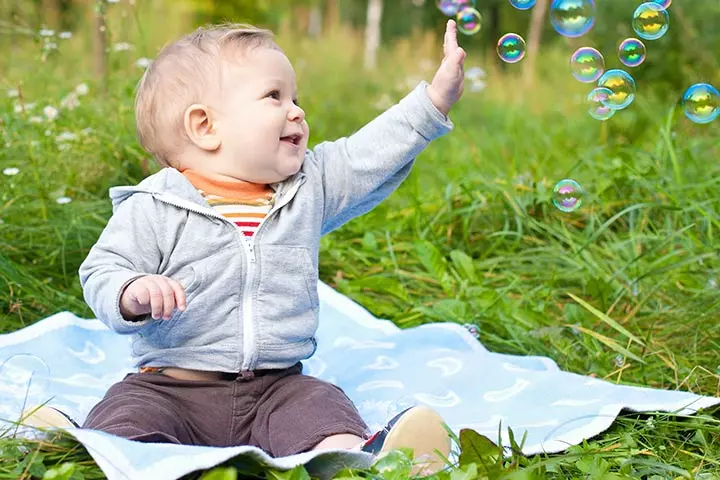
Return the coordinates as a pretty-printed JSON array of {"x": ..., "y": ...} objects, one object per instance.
[{"x": 296, "y": 114}]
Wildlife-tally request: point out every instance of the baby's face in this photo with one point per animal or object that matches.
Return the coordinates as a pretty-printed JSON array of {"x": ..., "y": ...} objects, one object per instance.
[{"x": 263, "y": 130}]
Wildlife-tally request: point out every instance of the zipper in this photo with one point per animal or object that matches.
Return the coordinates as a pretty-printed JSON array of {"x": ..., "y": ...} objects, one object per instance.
[{"x": 249, "y": 346}]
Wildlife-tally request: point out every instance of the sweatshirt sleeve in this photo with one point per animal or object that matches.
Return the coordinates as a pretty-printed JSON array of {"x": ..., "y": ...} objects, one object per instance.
[
  {"x": 128, "y": 248},
  {"x": 360, "y": 171}
]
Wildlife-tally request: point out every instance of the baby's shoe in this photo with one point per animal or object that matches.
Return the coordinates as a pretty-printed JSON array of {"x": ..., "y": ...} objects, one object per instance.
[
  {"x": 419, "y": 428},
  {"x": 46, "y": 417}
]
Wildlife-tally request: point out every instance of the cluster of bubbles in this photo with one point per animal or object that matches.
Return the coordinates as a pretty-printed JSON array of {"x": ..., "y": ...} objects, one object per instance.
[{"x": 614, "y": 89}]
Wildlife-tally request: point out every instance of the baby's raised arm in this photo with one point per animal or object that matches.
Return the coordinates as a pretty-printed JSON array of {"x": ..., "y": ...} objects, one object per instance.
[{"x": 359, "y": 171}]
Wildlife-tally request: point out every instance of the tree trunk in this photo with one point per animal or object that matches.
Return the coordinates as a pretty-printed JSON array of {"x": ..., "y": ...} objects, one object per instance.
[
  {"x": 315, "y": 21},
  {"x": 99, "y": 37},
  {"x": 51, "y": 14},
  {"x": 332, "y": 16},
  {"x": 533, "y": 41},
  {"x": 372, "y": 33}
]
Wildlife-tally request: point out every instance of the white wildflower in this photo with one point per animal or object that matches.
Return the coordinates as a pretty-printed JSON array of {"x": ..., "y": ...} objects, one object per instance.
[
  {"x": 86, "y": 131},
  {"x": 70, "y": 101},
  {"x": 11, "y": 171},
  {"x": 50, "y": 46},
  {"x": 48, "y": 133},
  {"x": 66, "y": 137},
  {"x": 34, "y": 143},
  {"x": 65, "y": 35},
  {"x": 47, "y": 32},
  {"x": 82, "y": 89},
  {"x": 477, "y": 86},
  {"x": 2, "y": 221},
  {"x": 474, "y": 73},
  {"x": 143, "y": 62},
  {"x": 50, "y": 112},
  {"x": 35, "y": 119},
  {"x": 112, "y": 1},
  {"x": 63, "y": 146},
  {"x": 13, "y": 93},
  {"x": 122, "y": 47},
  {"x": 63, "y": 200},
  {"x": 384, "y": 102},
  {"x": 27, "y": 106}
]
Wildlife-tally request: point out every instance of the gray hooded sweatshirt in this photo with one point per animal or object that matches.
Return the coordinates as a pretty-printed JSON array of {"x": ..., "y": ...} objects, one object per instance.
[{"x": 251, "y": 303}]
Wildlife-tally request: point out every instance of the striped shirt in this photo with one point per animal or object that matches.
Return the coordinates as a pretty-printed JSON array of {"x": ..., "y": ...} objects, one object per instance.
[{"x": 243, "y": 203}]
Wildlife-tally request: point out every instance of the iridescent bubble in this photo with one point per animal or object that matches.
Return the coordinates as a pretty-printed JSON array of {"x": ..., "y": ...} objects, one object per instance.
[
  {"x": 587, "y": 64},
  {"x": 464, "y": 3},
  {"x": 567, "y": 195},
  {"x": 701, "y": 103},
  {"x": 29, "y": 374},
  {"x": 596, "y": 103},
  {"x": 632, "y": 52},
  {"x": 447, "y": 7},
  {"x": 523, "y": 4},
  {"x": 650, "y": 21},
  {"x": 622, "y": 86},
  {"x": 468, "y": 21},
  {"x": 664, "y": 3},
  {"x": 572, "y": 18},
  {"x": 511, "y": 48}
]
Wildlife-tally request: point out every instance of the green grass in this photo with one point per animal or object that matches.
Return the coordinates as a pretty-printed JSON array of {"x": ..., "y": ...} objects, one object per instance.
[{"x": 624, "y": 289}]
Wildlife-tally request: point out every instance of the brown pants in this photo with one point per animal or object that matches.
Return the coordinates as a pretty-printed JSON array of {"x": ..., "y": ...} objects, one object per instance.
[{"x": 280, "y": 411}]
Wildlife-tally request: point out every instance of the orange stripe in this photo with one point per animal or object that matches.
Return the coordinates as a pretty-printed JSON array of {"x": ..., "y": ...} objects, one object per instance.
[{"x": 241, "y": 215}]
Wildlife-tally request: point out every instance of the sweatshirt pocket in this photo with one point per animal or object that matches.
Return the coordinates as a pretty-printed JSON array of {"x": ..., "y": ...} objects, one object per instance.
[{"x": 287, "y": 296}]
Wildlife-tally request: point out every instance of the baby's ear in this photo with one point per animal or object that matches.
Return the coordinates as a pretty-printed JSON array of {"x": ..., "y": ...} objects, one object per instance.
[{"x": 199, "y": 127}]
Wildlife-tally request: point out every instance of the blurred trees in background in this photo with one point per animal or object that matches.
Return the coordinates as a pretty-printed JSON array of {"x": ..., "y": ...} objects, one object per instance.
[{"x": 691, "y": 48}]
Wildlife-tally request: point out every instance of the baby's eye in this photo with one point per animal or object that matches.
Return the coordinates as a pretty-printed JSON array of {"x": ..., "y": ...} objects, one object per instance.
[
  {"x": 296, "y": 102},
  {"x": 274, "y": 94}
]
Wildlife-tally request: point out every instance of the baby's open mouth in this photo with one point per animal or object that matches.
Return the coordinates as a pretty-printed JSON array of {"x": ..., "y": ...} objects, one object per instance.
[{"x": 294, "y": 138}]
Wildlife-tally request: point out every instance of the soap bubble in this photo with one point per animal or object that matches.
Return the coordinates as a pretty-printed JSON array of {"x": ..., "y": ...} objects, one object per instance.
[
  {"x": 572, "y": 18},
  {"x": 447, "y": 7},
  {"x": 664, "y": 3},
  {"x": 622, "y": 86},
  {"x": 468, "y": 21},
  {"x": 464, "y": 3},
  {"x": 27, "y": 376},
  {"x": 701, "y": 103},
  {"x": 596, "y": 103},
  {"x": 587, "y": 64},
  {"x": 650, "y": 21},
  {"x": 511, "y": 48},
  {"x": 567, "y": 195},
  {"x": 631, "y": 52},
  {"x": 523, "y": 4}
]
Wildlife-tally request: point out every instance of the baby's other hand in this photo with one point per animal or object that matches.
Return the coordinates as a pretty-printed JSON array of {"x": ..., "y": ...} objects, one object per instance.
[
  {"x": 448, "y": 83},
  {"x": 156, "y": 294}
]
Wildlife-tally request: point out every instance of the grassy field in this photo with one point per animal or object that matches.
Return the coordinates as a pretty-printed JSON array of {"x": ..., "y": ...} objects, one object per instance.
[{"x": 470, "y": 237}]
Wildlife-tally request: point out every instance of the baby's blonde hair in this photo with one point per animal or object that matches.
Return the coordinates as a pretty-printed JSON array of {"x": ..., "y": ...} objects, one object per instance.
[{"x": 182, "y": 74}]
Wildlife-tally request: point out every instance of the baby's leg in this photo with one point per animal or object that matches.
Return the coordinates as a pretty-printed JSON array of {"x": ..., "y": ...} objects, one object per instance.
[
  {"x": 343, "y": 440},
  {"x": 133, "y": 409}
]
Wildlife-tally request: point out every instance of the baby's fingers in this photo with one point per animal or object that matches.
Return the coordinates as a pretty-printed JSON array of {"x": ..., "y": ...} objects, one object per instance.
[
  {"x": 179, "y": 292},
  {"x": 450, "y": 44},
  {"x": 162, "y": 298}
]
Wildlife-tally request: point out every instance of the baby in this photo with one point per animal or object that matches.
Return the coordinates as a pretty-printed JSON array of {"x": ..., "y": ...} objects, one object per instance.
[{"x": 211, "y": 264}]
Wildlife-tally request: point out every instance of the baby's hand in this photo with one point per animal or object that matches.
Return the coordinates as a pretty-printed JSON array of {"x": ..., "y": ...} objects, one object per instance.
[
  {"x": 448, "y": 83},
  {"x": 154, "y": 294}
]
